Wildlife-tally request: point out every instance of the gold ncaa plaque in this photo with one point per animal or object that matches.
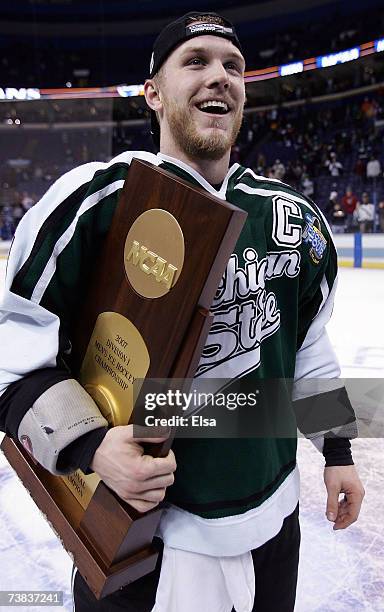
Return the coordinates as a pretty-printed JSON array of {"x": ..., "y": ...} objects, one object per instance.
[
  {"x": 154, "y": 253},
  {"x": 116, "y": 357}
]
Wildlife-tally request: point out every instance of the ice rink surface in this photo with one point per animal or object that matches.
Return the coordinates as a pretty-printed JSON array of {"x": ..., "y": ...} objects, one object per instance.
[{"x": 339, "y": 571}]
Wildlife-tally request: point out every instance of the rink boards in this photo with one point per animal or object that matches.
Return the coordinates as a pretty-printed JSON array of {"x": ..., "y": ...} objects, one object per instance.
[{"x": 372, "y": 250}]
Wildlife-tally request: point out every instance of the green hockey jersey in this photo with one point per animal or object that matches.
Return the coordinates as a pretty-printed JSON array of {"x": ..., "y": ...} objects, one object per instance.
[{"x": 270, "y": 312}]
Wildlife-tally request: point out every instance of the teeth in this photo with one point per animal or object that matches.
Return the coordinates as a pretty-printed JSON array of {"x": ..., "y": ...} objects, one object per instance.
[{"x": 213, "y": 103}]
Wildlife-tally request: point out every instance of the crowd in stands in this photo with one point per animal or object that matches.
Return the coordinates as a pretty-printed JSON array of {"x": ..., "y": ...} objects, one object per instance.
[
  {"x": 57, "y": 111},
  {"x": 303, "y": 86},
  {"x": 33, "y": 159},
  {"x": 332, "y": 152},
  {"x": 12, "y": 213},
  {"x": 328, "y": 151},
  {"x": 87, "y": 110},
  {"x": 307, "y": 85},
  {"x": 331, "y": 33},
  {"x": 349, "y": 213}
]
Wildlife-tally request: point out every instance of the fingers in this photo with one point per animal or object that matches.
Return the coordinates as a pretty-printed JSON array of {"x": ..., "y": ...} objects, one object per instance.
[
  {"x": 147, "y": 500},
  {"x": 349, "y": 510},
  {"x": 140, "y": 433},
  {"x": 158, "y": 482},
  {"x": 147, "y": 478},
  {"x": 332, "y": 502},
  {"x": 343, "y": 479},
  {"x": 138, "y": 479},
  {"x": 151, "y": 467},
  {"x": 153, "y": 496},
  {"x": 162, "y": 465},
  {"x": 138, "y": 489},
  {"x": 141, "y": 505}
]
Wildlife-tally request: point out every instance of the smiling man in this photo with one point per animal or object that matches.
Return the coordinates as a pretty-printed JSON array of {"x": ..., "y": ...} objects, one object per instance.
[
  {"x": 230, "y": 531},
  {"x": 198, "y": 94}
]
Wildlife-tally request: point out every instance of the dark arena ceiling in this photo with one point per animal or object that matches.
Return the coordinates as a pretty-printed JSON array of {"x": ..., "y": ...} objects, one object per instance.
[
  {"x": 53, "y": 10},
  {"x": 42, "y": 42},
  {"x": 64, "y": 10}
]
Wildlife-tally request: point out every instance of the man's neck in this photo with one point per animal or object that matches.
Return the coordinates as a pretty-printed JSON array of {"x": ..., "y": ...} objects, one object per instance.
[{"x": 214, "y": 171}]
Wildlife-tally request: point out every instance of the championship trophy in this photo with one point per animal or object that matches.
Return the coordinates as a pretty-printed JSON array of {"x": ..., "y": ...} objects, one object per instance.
[{"x": 146, "y": 315}]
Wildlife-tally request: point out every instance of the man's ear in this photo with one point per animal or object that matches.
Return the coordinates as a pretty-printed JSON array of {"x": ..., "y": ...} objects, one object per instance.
[{"x": 152, "y": 95}]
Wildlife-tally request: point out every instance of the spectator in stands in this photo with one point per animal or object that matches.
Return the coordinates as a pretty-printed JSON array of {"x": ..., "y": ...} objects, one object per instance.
[
  {"x": 38, "y": 172},
  {"x": 368, "y": 108},
  {"x": 381, "y": 215},
  {"x": 290, "y": 177},
  {"x": 7, "y": 223},
  {"x": 18, "y": 211},
  {"x": 349, "y": 203},
  {"x": 335, "y": 167},
  {"x": 307, "y": 186},
  {"x": 26, "y": 201},
  {"x": 365, "y": 214},
  {"x": 373, "y": 168},
  {"x": 360, "y": 167},
  {"x": 261, "y": 164},
  {"x": 297, "y": 170},
  {"x": 335, "y": 213},
  {"x": 278, "y": 170}
]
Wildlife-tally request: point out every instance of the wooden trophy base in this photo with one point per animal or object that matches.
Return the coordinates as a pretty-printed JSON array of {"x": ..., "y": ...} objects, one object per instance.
[{"x": 65, "y": 513}]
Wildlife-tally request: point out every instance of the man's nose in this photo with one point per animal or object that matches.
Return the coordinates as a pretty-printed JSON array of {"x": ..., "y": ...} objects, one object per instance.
[{"x": 217, "y": 76}]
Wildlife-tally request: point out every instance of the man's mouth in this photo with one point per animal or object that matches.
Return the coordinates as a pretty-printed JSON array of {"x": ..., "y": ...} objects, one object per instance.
[{"x": 214, "y": 107}]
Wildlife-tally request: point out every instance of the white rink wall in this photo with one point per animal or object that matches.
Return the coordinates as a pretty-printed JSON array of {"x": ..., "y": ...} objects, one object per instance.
[{"x": 372, "y": 250}]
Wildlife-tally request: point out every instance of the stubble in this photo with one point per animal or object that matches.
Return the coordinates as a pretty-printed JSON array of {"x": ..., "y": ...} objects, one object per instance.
[{"x": 212, "y": 146}]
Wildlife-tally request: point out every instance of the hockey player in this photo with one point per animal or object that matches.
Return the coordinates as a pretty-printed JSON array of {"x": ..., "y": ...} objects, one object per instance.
[{"x": 230, "y": 532}]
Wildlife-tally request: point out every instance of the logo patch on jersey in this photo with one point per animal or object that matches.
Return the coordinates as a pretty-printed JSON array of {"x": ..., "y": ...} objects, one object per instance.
[{"x": 313, "y": 236}]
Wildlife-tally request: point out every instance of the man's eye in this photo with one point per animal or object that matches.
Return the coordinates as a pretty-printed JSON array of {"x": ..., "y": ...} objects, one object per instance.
[
  {"x": 232, "y": 66},
  {"x": 195, "y": 61}
]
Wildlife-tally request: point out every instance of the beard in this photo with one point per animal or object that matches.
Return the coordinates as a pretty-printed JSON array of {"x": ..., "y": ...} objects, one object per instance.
[{"x": 212, "y": 146}]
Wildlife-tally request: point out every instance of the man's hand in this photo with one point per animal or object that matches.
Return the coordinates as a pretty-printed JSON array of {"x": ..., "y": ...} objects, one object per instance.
[
  {"x": 140, "y": 480},
  {"x": 343, "y": 479}
]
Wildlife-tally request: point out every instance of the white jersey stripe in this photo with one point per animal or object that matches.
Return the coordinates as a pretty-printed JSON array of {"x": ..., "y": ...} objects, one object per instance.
[
  {"x": 259, "y": 177},
  {"x": 325, "y": 291},
  {"x": 65, "y": 238},
  {"x": 316, "y": 357}
]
